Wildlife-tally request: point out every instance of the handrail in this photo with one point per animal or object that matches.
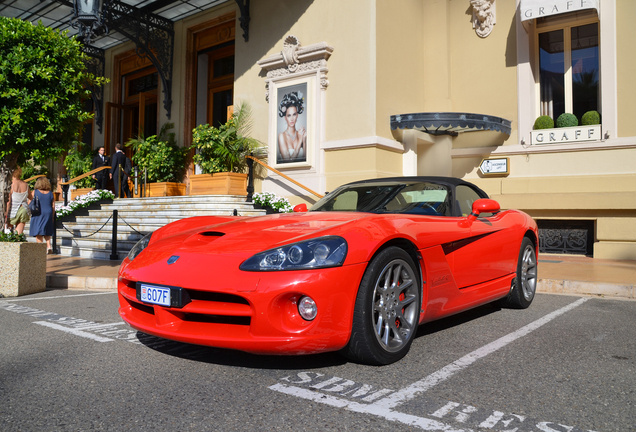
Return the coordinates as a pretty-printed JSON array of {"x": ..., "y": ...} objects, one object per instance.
[
  {"x": 284, "y": 176},
  {"x": 73, "y": 180},
  {"x": 33, "y": 178}
]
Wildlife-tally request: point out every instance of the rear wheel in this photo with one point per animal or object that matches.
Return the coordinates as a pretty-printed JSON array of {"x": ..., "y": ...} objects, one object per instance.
[
  {"x": 525, "y": 284},
  {"x": 387, "y": 309}
]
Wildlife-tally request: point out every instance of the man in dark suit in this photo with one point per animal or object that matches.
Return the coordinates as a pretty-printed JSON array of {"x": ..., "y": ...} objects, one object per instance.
[
  {"x": 102, "y": 176},
  {"x": 119, "y": 159}
]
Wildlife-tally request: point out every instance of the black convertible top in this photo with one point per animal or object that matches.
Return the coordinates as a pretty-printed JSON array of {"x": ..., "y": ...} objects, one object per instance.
[{"x": 450, "y": 181}]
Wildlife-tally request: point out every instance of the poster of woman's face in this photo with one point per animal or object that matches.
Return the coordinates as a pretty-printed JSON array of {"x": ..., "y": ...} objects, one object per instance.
[{"x": 291, "y": 137}]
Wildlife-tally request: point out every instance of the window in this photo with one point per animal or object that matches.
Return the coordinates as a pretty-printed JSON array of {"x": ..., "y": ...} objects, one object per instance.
[{"x": 568, "y": 47}]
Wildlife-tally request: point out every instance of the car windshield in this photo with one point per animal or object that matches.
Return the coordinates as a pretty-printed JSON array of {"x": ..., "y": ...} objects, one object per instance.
[{"x": 425, "y": 198}]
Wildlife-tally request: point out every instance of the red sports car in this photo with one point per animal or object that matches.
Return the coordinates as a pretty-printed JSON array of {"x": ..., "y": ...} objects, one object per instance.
[{"x": 358, "y": 272}]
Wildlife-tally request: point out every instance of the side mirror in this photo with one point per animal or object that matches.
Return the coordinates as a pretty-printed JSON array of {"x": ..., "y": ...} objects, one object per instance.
[
  {"x": 483, "y": 205},
  {"x": 300, "y": 208}
]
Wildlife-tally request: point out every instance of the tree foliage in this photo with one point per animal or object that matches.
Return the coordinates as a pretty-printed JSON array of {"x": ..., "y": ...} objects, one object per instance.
[
  {"x": 42, "y": 86},
  {"x": 43, "y": 82}
]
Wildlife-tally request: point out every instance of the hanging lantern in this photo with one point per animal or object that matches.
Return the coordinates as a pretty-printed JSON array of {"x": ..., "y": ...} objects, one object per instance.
[{"x": 88, "y": 18}]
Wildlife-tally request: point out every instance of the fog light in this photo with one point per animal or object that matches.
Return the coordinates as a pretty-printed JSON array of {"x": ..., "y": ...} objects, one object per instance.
[{"x": 307, "y": 308}]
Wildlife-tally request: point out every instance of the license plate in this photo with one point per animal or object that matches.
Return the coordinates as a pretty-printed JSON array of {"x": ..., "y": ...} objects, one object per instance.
[{"x": 154, "y": 294}]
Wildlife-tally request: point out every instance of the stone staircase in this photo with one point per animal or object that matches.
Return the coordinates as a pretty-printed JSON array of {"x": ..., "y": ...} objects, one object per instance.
[{"x": 136, "y": 218}]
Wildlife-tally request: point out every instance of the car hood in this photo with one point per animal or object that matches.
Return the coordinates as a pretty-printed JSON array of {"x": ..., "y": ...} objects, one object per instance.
[{"x": 243, "y": 237}]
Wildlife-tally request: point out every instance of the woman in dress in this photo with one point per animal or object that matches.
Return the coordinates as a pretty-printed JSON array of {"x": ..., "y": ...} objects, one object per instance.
[
  {"x": 292, "y": 143},
  {"x": 17, "y": 207},
  {"x": 41, "y": 226}
]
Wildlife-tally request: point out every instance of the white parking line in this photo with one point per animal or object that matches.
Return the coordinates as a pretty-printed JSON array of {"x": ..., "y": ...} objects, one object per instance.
[
  {"x": 448, "y": 371},
  {"x": 56, "y": 297},
  {"x": 385, "y": 407},
  {"x": 73, "y": 331}
]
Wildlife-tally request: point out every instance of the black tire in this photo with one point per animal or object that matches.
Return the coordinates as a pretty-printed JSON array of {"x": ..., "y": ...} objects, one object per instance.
[
  {"x": 525, "y": 283},
  {"x": 387, "y": 309}
]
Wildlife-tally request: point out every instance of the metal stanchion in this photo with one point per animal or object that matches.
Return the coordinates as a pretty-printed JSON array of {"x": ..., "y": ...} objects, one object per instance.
[
  {"x": 113, "y": 254},
  {"x": 54, "y": 239},
  {"x": 136, "y": 180},
  {"x": 65, "y": 190},
  {"x": 250, "y": 177}
]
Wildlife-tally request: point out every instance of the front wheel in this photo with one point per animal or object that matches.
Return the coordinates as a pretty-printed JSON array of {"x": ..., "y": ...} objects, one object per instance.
[
  {"x": 387, "y": 309},
  {"x": 525, "y": 284}
]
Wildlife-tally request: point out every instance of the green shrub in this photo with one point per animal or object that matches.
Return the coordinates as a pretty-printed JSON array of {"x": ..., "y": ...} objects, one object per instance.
[
  {"x": 12, "y": 237},
  {"x": 223, "y": 149},
  {"x": 591, "y": 118},
  {"x": 30, "y": 169},
  {"x": 567, "y": 120},
  {"x": 544, "y": 122},
  {"x": 163, "y": 159},
  {"x": 78, "y": 161}
]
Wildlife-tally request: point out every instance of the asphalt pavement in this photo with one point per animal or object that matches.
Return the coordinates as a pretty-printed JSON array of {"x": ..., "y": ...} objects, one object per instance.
[{"x": 566, "y": 364}]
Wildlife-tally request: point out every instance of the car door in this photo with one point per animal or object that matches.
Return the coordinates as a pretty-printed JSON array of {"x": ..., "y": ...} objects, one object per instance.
[{"x": 486, "y": 253}]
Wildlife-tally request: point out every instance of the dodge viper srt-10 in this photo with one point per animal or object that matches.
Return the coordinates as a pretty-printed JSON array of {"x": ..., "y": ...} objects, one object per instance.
[{"x": 357, "y": 273}]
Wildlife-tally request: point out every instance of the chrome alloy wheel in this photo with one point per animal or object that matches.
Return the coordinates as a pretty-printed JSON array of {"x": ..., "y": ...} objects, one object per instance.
[
  {"x": 528, "y": 276},
  {"x": 395, "y": 310}
]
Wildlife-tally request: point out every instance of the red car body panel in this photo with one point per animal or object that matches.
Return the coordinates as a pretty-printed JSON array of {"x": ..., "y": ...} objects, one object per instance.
[{"x": 464, "y": 263}]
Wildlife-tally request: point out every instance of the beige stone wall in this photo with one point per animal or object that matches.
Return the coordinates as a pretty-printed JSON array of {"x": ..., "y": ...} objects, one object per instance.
[
  {"x": 345, "y": 166},
  {"x": 466, "y": 73},
  {"x": 348, "y": 26},
  {"x": 626, "y": 67},
  {"x": 401, "y": 62}
]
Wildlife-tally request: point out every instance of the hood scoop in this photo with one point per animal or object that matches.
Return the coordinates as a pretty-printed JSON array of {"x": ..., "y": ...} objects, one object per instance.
[
  {"x": 201, "y": 239},
  {"x": 212, "y": 234}
]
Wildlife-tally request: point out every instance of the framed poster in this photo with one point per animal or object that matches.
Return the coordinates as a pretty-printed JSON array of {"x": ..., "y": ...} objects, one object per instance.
[{"x": 293, "y": 134}]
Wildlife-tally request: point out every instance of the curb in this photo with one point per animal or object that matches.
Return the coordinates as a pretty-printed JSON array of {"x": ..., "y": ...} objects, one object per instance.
[
  {"x": 561, "y": 286},
  {"x": 545, "y": 286},
  {"x": 81, "y": 283}
]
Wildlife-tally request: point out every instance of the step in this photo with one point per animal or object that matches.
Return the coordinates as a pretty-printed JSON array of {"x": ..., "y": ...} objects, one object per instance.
[{"x": 90, "y": 235}]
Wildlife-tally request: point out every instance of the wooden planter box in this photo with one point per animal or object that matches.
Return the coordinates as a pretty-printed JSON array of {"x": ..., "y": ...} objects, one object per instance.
[
  {"x": 23, "y": 269},
  {"x": 165, "y": 189},
  {"x": 225, "y": 183},
  {"x": 78, "y": 192}
]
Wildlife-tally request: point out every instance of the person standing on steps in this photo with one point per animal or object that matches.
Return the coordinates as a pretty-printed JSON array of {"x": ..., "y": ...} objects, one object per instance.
[
  {"x": 102, "y": 176},
  {"x": 119, "y": 177}
]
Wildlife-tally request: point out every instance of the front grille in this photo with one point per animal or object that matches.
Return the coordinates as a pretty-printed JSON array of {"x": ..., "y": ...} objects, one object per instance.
[
  {"x": 142, "y": 307},
  {"x": 216, "y": 297},
  {"x": 217, "y": 319}
]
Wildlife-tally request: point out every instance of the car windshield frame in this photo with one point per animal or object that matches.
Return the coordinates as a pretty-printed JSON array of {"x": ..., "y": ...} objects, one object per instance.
[{"x": 420, "y": 197}]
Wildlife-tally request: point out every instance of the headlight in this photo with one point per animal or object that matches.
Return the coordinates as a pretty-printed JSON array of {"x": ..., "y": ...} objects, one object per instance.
[
  {"x": 315, "y": 253},
  {"x": 139, "y": 246}
]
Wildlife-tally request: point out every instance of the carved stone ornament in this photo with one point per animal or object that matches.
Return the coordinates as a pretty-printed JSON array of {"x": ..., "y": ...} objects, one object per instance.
[
  {"x": 484, "y": 16},
  {"x": 295, "y": 59}
]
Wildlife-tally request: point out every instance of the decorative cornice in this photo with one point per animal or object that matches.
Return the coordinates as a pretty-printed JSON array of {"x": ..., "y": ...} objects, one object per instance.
[
  {"x": 297, "y": 59},
  {"x": 362, "y": 142}
]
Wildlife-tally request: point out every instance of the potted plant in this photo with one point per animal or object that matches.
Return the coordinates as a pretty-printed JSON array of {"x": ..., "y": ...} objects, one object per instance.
[
  {"x": 23, "y": 269},
  {"x": 220, "y": 152},
  {"x": 79, "y": 161},
  {"x": 163, "y": 161}
]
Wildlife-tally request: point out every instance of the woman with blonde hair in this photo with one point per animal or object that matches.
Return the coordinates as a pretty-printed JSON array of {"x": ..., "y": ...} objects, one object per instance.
[
  {"x": 41, "y": 226},
  {"x": 17, "y": 212}
]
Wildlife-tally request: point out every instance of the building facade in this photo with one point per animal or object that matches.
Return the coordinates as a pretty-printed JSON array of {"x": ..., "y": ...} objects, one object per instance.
[{"x": 411, "y": 87}]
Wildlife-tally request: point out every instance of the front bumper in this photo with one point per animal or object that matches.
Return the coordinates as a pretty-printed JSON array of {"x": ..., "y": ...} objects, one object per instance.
[{"x": 254, "y": 312}]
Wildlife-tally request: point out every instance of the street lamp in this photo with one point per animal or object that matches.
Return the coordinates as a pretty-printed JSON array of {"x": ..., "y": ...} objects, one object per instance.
[{"x": 88, "y": 17}]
